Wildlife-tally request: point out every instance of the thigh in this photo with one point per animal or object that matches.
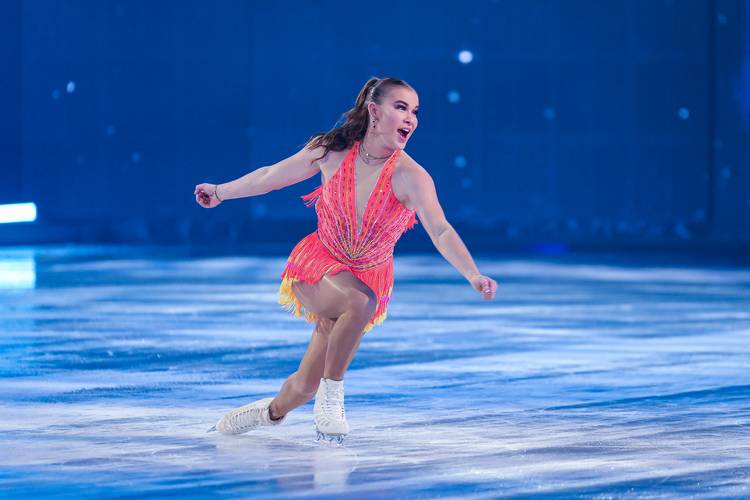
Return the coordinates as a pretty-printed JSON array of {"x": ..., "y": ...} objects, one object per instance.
[{"x": 329, "y": 297}]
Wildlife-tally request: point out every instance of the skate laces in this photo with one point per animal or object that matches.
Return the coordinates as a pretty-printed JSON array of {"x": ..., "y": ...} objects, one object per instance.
[
  {"x": 333, "y": 403},
  {"x": 235, "y": 422}
]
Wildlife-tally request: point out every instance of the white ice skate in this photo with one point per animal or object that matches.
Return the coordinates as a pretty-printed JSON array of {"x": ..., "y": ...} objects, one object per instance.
[
  {"x": 246, "y": 418},
  {"x": 330, "y": 419}
]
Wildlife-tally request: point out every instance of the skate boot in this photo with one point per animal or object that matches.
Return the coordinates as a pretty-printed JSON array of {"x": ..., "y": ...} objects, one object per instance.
[
  {"x": 246, "y": 418},
  {"x": 330, "y": 419}
]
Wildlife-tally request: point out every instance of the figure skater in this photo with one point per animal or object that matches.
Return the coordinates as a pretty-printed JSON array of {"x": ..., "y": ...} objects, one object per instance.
[{"x": 341, "y": 276}]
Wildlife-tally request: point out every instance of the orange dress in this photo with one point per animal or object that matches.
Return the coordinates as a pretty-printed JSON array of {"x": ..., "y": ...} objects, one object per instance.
[{"x": 336, "y": 246}]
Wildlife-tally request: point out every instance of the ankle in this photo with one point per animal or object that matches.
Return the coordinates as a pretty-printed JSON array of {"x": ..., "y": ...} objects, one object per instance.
[{"x": 272, "y": 413}]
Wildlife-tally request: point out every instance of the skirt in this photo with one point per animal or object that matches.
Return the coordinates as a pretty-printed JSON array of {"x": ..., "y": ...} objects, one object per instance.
[{"x": 310, "y": 260}]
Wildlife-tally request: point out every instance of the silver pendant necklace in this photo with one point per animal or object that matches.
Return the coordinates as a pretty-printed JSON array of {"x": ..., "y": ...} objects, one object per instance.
[{"x": 367, "y": 158}]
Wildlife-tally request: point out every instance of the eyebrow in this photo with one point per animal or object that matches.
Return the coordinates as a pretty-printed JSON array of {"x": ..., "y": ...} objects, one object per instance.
[{"x": 405, "y": 103}]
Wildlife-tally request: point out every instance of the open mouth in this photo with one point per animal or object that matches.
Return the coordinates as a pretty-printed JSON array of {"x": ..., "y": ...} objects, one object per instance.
[{"x": 404, "y": 133}]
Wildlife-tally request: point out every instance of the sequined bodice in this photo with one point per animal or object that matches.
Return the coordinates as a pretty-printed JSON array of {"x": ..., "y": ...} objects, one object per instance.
[{"x": 385, "y": 217}]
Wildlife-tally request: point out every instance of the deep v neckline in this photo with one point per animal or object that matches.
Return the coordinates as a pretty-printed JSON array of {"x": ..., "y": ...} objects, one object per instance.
[{"x": 386, "y": 164}]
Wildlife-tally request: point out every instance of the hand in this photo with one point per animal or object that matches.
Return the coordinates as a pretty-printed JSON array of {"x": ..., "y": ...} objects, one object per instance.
[
  {"x": 484, "y": 285},
  {"x": 204, "y": 195}
]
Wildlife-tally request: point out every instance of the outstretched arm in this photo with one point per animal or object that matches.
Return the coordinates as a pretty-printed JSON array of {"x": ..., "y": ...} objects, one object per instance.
[
  {"x": 421, "y": 191},
  {"x": 288, "y": 171}
]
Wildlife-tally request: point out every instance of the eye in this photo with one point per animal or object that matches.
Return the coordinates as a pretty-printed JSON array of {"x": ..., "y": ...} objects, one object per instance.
[{"x": 401, "y": 106}]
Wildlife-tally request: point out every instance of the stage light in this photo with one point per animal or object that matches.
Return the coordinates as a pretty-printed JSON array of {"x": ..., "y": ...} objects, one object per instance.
[
  {"x": 683, "y": 113},
  {"x": 682, "y": 231},
  {"x": 459, "y": 161},
  {"x": 18, "y": 212},
  {"x": 465, "y": 56},
  {"x": 550, "y": 113},
  {"x": 70, "y": 87},
  {"x": 259, "y": 209},
  {"x": 454, "y": 96}
]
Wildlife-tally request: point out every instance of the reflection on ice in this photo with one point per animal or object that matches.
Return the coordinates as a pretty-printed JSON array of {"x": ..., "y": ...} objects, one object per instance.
[
  {"x": 581, "y": 379},
  {"x": 17, "y": 269}
]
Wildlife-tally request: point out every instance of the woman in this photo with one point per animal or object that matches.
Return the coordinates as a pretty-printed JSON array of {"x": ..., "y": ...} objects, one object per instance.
[{"x": 341, "y": 276}]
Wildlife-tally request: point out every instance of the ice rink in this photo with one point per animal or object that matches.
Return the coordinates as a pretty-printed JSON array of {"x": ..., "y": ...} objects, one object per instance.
[{"x": 586, "y": 377}]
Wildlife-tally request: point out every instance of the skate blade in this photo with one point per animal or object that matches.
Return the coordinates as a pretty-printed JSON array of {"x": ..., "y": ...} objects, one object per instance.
[
  {"x": 330, "y": 439},
  {"x": 212, "y": 429}
]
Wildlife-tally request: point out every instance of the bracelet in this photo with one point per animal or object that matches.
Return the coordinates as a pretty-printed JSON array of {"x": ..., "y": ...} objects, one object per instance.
[{"x": 216, "y": 187}]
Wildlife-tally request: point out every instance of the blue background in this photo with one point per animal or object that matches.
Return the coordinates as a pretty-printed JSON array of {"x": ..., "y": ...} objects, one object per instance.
[{"x": 578, "y": 123}]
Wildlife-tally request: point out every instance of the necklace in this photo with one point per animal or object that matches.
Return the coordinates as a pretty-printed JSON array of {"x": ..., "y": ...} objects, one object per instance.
[{"x": 367, "y": 158}]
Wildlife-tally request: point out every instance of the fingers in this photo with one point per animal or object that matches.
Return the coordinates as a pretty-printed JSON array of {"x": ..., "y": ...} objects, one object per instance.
[
  {"x": 203, "y": 199},
  {"x": 488, "y": 287},
  {"x": 203, "y": 194}
]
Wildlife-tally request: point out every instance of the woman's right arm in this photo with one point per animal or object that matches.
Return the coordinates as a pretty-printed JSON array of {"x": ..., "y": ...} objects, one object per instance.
[
  {"x": 288, "y": 171},
  {"x": 296, "y": 168}
]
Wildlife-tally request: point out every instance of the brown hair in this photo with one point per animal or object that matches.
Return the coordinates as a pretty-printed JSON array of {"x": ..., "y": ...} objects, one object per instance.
[{"x": 356, "y": 119}]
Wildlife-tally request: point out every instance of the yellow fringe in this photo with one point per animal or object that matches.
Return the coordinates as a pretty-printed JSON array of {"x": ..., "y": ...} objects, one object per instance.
[{"x": 292, "y": 304}]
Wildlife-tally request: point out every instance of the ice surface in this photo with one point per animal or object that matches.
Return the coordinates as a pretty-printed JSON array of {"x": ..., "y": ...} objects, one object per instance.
[{"x": 584, "y": 378}]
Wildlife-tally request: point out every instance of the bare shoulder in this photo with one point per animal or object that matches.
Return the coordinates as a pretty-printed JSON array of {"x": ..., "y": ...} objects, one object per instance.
[
  {"x": 409, "y": 167},
  {"x": 315, "y": 155},
  {"x": 408, "y": 177},
  {"x": 329, "y": 163}
]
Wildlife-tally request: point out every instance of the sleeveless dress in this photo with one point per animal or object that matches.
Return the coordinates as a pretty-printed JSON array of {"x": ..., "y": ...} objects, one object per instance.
[{"x": 337, "y": 246}]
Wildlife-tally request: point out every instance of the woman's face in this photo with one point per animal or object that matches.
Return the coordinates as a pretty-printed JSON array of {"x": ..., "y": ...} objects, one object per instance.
[{"x": 396, "y": 117}]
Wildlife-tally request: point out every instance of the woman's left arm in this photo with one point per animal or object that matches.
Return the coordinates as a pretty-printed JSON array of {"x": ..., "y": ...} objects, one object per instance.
[{"x": 421, "y": 191}]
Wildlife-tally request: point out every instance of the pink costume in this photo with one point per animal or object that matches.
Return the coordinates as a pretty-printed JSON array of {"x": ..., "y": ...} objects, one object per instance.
[{"x": 336, "y": 246}]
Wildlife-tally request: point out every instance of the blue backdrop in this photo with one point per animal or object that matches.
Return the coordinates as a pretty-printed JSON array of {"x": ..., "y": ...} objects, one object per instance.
[{"x": 580, "y": 122}]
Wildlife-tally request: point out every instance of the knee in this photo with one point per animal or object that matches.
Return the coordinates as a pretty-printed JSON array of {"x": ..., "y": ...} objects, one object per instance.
[
  {"x": 362, "y": 303},
  {"x": 324, "y": 326}
]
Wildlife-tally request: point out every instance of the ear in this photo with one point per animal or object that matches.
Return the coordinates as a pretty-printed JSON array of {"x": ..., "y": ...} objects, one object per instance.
[{"x": 372, "y": 109}]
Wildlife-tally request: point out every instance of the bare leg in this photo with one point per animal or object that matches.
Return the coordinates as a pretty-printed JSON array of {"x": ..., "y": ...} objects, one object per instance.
[
  {"x": 347, "y": 334},
  {"x": 334, "y": 342},
  {"x": 301, "y": 385}
]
